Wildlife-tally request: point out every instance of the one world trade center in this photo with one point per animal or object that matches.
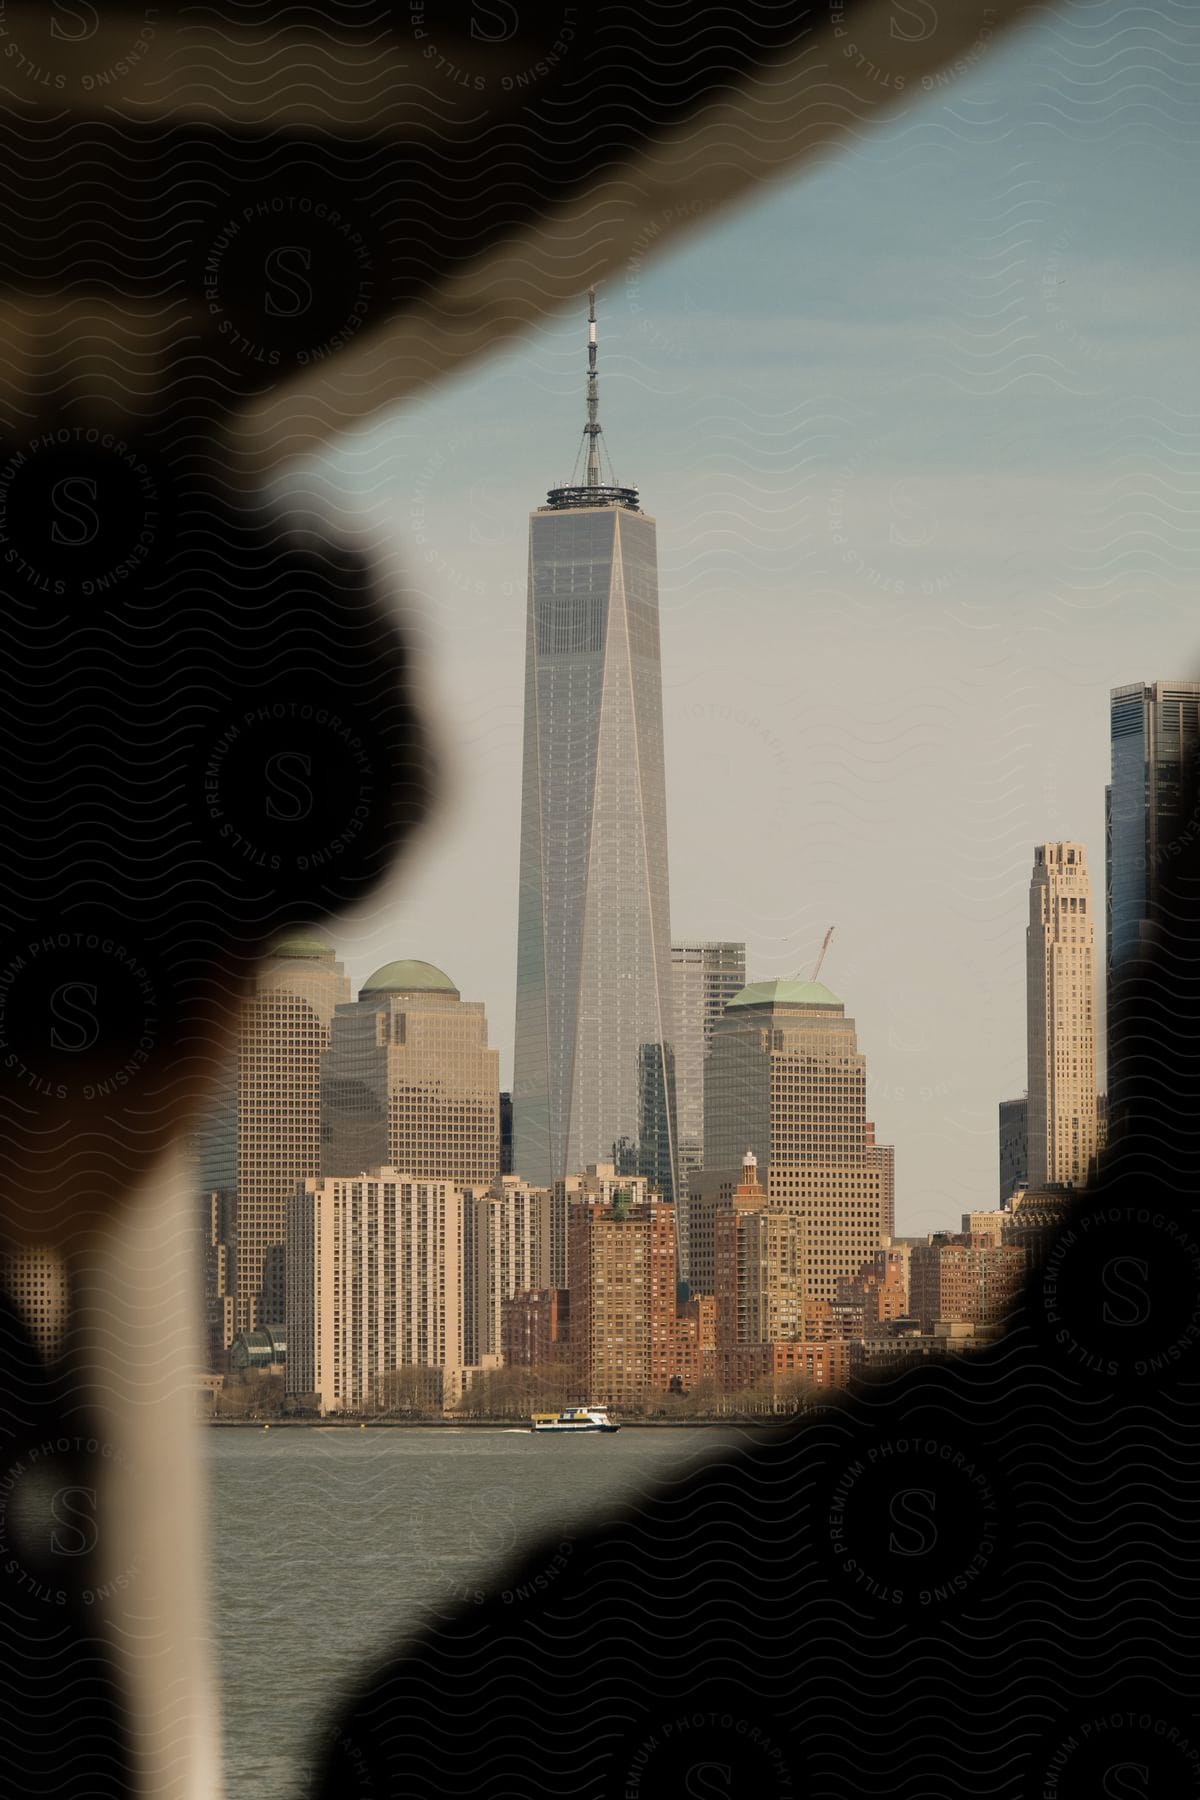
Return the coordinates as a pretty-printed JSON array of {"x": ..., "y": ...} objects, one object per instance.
[{"x": 594, "y": 1067}]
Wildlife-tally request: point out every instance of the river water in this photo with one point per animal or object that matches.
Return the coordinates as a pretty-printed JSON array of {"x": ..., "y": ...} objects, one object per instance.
[{"x": 330, "y": 1544}]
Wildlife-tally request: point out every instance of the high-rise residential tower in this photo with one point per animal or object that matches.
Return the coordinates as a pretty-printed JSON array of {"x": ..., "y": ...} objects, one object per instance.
[
  {"x": 506, "y": 1252},
  {"x": 627, "y": 1337},
  {"x": 283, "y": 1040},
  {"x": 600, "y": 1183},
  {"x": 758, "y": 1266},
  {"x": 594, "y": 1003},
  {"x": 1151, "y": 813},
  {"x": 976, "y": 1282},
  {"x": 410, "y": 1081},
  {"x": 1060, "y": 1011},
  {"x": 375, "y": 1284},
  {"x": 786, "y": 1078}
]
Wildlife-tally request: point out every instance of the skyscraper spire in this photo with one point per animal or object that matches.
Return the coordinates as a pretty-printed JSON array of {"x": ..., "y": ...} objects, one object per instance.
[
  {"x": 592, "y": 489},
  {"x": 592, "y": 428}
]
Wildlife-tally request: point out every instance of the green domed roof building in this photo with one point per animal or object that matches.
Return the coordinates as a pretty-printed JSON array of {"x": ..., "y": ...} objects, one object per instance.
[
  {"x": 408, "y": 977},
  {"x": 410, "y": 1082},
  {"x": 303, "y": 946}
]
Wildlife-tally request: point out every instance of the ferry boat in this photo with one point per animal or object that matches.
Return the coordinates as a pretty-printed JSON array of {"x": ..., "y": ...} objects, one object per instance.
[{"x": 574, "y": 1418}]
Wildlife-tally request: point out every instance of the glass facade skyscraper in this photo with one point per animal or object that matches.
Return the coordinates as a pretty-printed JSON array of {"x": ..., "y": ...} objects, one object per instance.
[
  {"x": 1014, "y": 1147},
  {"x": 594, "y": 997},
  {"x": 706, "y": 978},
  {"x": 1151, "y": 814}
]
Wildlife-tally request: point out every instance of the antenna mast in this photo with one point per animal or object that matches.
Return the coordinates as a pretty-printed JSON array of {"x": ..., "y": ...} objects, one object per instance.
[
  {"x": 592, "y": 490},
  {"x": 592, "y": 428}
]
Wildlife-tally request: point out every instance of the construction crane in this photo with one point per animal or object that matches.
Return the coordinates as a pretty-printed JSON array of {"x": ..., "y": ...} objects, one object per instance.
[{"x": 821, "y": 958}]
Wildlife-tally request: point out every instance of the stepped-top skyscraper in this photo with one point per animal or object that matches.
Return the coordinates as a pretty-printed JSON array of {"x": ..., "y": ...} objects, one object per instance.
[
  {"x": 1060, "y": 1114},
  {"x": 594, "y": 994}
]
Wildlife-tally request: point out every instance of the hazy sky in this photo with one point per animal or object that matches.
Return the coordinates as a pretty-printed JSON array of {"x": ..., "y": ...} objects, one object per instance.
[{"x": 922, "y": 436}]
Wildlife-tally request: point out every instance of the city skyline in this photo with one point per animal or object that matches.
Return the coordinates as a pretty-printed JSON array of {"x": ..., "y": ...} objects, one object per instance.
[
  {"x": 876, "y": 695},
  {"x": 214, "y": 1144},
  {"x": 842, "y": 733},
  {"x": 1061, "y": 1006},
  {"x": 897, "y": 342},
  {"x": 428, "y": 1257}
]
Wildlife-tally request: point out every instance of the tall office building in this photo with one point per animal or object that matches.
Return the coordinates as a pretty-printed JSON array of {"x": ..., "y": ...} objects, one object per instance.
[
  {"x": 283, "y": 1039},
  {"x": 410, "y": 1081},
  {"x": 219, "y": 1314},
  {"x": 1151, "y": 815},
  {"x": 594, "y": 941},
  {"x": 1060, "y": 1012},
  {"x": 213, "y": 1141},
  {"x": 506, "y": 1147},
  {"x": 374, "y": 1284},
  {"x": 883, "y": 1157},
  {"x": 655, "y": 1151},
  {"x": 1014, "y": 1147},
  {"x": 786, "y": 1078},
  {"x": 213, "y": 1146},
  {"x": 705, "y": 977}
]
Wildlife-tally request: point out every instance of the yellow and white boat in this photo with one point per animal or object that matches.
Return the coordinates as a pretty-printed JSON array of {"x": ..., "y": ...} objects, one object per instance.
[{"x": 573, "y": 1418}]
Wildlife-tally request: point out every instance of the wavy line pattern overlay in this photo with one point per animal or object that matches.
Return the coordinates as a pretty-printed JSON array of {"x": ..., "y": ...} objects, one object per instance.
[{"x": 231, "y": 234}]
